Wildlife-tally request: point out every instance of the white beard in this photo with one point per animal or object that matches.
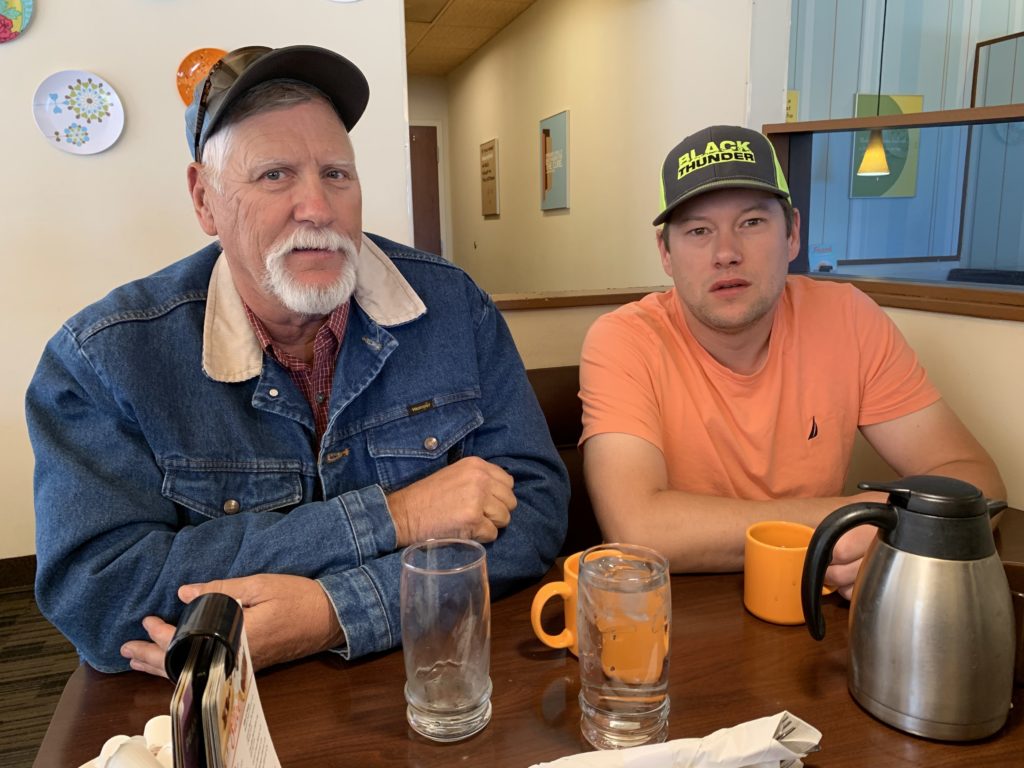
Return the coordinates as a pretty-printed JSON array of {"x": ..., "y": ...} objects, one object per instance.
[{"x": 315, "y": 300}]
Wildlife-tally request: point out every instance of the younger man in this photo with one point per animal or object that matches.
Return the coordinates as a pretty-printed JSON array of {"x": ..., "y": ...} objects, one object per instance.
[{"x": 735, "y": 396}]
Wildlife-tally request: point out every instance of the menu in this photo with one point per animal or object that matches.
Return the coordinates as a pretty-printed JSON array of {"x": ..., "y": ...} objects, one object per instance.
[
  {"x": 235, "y": 730},
  {"x": 216, "y": 719}
]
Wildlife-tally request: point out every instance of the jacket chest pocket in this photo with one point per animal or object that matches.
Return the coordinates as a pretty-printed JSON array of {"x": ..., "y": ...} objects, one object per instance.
[
  {"x": 215, "y": 490},
  {"x": 410, "y": 448}
]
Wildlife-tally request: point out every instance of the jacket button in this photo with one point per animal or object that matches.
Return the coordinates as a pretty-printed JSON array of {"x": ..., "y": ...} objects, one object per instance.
[
  {"x": 231, "y": 506},
  {"x": 273, "y": 392},
  {"x": 430, "y": 443}
]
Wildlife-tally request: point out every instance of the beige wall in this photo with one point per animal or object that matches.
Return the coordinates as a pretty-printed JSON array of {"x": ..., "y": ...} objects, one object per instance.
[
  {"x": 966, "y": 358},
  {"x": 978, "y": 366},
  {"x": 636, "y": 76},
  {"x": 74, "y": 227}
]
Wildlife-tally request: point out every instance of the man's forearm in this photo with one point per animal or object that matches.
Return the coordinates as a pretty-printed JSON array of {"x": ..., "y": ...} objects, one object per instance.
[{"x": 706, "y": 533}]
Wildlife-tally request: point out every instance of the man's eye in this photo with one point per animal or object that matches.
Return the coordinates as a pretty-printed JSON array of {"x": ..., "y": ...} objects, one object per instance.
[
  {"x": 697, "y": 231},
  {"x": 272, "y": 175},
  {"x": 753, "y": 222},
  {"x": 336, "y": 173}
]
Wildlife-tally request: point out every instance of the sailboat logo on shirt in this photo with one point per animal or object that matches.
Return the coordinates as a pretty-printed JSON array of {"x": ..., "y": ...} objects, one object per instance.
[{"x": 814, "y": 429}]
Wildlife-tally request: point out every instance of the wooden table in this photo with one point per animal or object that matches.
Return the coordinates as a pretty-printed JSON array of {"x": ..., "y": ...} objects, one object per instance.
[{"x": 727, "y": 667}]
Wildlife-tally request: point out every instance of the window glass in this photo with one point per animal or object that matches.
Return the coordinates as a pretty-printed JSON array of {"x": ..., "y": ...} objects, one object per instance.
[
  {"x": 951, "y": 207},
  {"x": 949, "y": 210},
  {"x": 921, "y": 48}
]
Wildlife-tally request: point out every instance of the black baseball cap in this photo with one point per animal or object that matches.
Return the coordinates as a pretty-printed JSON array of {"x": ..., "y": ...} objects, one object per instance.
[
  {"x": 719, "y": 157},
  {"x": 243, "y": 68}
]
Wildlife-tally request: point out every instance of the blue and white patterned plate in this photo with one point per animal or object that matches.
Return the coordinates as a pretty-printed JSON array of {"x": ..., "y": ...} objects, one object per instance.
[{"x": 78, "y": 112}]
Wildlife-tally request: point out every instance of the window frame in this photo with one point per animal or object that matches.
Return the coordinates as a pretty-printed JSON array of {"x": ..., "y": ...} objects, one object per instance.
[{"x": 792, "y": 145}]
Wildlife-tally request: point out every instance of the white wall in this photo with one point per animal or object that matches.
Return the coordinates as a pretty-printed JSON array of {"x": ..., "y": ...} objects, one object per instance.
[
  {"x": 636, "y": 77},
  {"x": 73, "y": 227}
]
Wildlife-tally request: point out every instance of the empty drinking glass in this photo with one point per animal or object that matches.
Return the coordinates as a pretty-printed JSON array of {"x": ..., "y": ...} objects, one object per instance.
[{"x": 446, "y": 638}]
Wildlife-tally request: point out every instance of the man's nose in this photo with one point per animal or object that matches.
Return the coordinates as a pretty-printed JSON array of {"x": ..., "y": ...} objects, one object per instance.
[
  {"x": 312, "y": 204},
  {"x": 726, "y": 249}
]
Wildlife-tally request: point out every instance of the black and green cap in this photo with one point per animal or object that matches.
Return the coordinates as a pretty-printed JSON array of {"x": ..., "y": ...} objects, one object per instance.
[{"x": 719, "y": 157}]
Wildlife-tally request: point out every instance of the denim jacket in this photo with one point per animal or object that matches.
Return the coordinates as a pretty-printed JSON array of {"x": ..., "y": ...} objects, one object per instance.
[{"x": 170, "y": 449}]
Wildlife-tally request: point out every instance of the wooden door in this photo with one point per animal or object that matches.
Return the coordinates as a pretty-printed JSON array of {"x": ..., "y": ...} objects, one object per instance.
[{"x": 426, "y": 208}]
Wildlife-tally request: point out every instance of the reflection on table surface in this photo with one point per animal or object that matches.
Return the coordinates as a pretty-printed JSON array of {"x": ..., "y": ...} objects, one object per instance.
[{"x": 727, "y": 667}]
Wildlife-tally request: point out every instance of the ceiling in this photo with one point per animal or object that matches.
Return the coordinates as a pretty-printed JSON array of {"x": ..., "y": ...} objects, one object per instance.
[{"x": 441, "y": 34}]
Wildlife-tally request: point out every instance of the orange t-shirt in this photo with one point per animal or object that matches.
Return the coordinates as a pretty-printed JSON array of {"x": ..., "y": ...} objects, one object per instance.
[{"x": 835, "y": 362}]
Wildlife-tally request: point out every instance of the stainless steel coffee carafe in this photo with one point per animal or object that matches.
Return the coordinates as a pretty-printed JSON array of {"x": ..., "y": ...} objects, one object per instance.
[{"x": 931, "y": 643}]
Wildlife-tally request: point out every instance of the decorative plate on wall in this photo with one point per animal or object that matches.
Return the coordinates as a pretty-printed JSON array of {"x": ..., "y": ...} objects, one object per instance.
[
  {"x": 78, "y": 111},
  {"x": 194, "y": 68},
  {"x": 14, "y": 17}
]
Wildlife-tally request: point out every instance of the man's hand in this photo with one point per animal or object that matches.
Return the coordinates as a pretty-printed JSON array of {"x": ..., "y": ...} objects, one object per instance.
[
  {"x": 847, "y": 555},
  {"x": 146, "y": 656},
  {"x": 470, "y": 499},
  {"x": 286, "y": 617}
]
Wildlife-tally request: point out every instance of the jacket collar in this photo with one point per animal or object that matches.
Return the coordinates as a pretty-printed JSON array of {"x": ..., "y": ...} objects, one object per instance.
[{"x": 231, "y": 351}]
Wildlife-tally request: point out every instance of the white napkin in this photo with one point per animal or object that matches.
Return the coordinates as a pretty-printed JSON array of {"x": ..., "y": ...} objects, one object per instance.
[
  {"x": 778, "y": 741},
  {"x": 152, "y": 750}
]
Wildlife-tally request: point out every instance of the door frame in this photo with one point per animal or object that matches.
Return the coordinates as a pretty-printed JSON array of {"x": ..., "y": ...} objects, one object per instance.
[{"x": 443, "y": 195}]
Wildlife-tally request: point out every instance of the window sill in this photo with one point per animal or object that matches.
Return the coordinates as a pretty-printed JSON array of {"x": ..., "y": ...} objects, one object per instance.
[
  {"x": 951, "y": 299},
  {"x": 563, "y": 299},
  {"x": 959, "y": 299}
]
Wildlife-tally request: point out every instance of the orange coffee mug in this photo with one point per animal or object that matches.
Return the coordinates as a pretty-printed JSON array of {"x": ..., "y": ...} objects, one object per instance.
[
  {"x": 773, "y": 564},
  {"x": 565, "y": 589}
]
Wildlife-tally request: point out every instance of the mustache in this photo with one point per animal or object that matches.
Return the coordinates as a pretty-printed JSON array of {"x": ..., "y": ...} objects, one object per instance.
[{"x": 312, "y": 239}]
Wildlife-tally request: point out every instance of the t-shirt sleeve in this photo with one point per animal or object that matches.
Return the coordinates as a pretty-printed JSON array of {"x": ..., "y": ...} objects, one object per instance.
[
  {"x": 616, "y": 380},
  {"x": 893, "y": 380}
]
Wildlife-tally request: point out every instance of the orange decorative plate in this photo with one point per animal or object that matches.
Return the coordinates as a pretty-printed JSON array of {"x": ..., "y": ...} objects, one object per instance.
[{"x": 194, "y": 68}]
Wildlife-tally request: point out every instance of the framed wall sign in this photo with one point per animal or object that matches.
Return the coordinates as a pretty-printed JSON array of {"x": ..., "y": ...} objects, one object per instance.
[
  {"x": 554, "y": 162},
  {"x": 489, "y": 178}
]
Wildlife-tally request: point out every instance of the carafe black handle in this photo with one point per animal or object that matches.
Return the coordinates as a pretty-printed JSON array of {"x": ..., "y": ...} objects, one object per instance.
[{"x": 819, "y": 553}]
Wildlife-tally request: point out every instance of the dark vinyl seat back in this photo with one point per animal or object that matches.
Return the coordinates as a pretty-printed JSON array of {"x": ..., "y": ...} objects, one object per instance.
[{"x": 557, "y": 392}]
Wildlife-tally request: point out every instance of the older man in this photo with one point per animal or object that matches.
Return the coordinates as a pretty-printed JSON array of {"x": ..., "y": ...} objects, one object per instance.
[
  {"x": 276, "y": 415},
  {"x": 736, "y": 396}
]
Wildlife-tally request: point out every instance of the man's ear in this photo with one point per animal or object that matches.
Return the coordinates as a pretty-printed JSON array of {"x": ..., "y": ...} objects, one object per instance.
[
  {"x": 794, "y": 236},
  {"x": 199, "y": 190},
  {"x": 666, "y": 258}
]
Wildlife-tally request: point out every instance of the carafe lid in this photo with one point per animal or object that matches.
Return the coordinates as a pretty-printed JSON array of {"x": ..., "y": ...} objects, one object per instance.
[
  {"x": 937, "y": 517},
  {"x": 933, "y": 495}
]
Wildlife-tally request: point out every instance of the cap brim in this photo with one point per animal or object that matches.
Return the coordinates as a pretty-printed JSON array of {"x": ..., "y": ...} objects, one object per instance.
[
  {"x": 337, "y": 77},
  {"x": 718, "y": 184}
]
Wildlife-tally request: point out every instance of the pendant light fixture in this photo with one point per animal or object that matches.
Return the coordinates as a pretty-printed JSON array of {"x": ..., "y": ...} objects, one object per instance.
[{"x": 874, "y": 162}]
